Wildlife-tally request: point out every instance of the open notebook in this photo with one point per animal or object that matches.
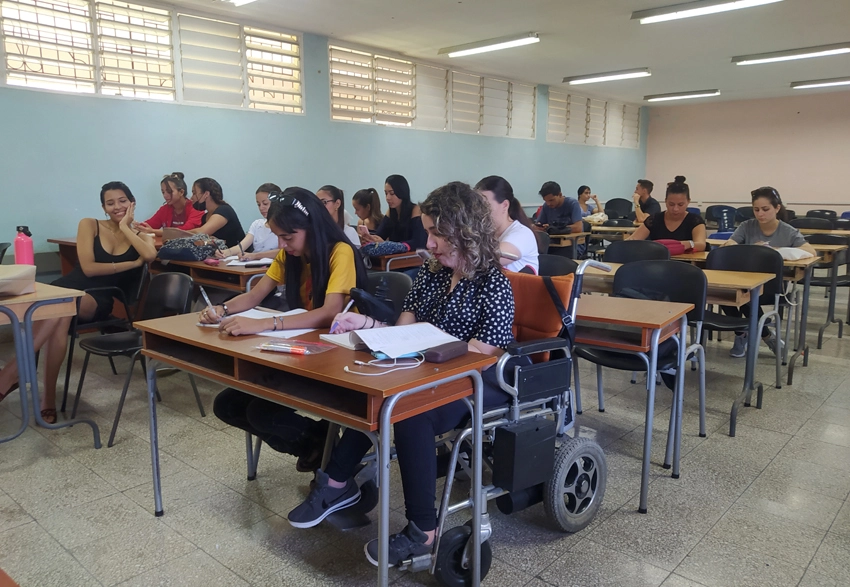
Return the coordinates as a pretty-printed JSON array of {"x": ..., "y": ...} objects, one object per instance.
[{"x": 393, "y": 341}]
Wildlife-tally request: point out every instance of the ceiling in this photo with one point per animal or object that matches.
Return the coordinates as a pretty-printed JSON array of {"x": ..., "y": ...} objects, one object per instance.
[{"x": 582, "y": 37}]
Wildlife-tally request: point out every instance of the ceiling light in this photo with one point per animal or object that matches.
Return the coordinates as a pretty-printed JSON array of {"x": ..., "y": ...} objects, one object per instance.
[
  {"x": 821, "y": 83},
  {"x": 682, "y": 95},
  {"x": 242, "y": 2},
  {"x": 690, "y": 9},
  {"x": 822, "y": 51},
  {"x": 490, "y": 45},
  {"x": 607, "y": 77}
]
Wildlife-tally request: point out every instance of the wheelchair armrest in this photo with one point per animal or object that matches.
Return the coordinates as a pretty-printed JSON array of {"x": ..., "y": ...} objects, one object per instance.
[{"x": 531, "y": 347}]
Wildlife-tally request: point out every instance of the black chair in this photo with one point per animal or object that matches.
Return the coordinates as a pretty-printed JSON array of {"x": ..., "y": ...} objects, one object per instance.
[
  {"x": 842, "y": 258},
  {"x": 828, "y": 214},
  {"x": 542, "y": 241},
  {"x": 619, "y": 222},
  {"x": 128, "y": 301},
  {"x": 630, "y": 251},
  {"x": 390, "y": 285},
  {"x": 744, "y": 213},
  {"x": 169, "y": 294},
  {"x": 3, "y": 247},
  {"x": 672, "y": 281},
  {"x": 790, "y": 215},
  {"x": 757, "y": 259},
  {"x": 812, "y": 222},
  {"x": 841, "y": 224},
  {"x": 556, "y": 265},
  {"x": 618, "y": 208},
  {"x": 724, "y": 216}
]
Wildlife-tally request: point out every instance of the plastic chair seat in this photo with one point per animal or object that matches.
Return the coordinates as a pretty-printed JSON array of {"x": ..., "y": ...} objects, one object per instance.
[
  {"x": 667, "y": 357},
  {"x": 724, "y": 323},
  {"x": 119, "y": 343}
]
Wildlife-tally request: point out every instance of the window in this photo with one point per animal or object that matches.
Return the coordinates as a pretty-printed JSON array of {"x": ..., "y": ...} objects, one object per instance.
[
  {"x": 492, "y": 107},
  {"x": 522, "y": 111},
  {"x": 586, "y": 121},
  {"x": 366, "y": 87},
  {"x": 432, "y": 90},
  {"x": 117, "y": 48}
]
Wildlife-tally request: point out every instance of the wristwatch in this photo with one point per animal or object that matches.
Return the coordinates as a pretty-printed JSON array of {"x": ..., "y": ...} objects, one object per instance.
[
  {"x": 224, "y": 307},
  {"x": 691, "y": 243}
]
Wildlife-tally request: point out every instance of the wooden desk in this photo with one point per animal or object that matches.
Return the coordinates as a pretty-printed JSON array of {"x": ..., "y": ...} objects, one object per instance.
[
  {"x": 229, "y": 277},
  {"x": 569, "y": 240},
  {"x": 397, "y": 261},
  {"x": 318, "y": 384},
  {"x": 68, "y": 251},
  {"x": 822, "y": 231},
  {"x": 637, "y": 326},
  {"x": 21, "y": 311},
  {"x": 613, "y": 229}
]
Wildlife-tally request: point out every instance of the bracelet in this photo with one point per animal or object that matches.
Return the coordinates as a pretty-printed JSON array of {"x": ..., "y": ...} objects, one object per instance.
[
  {"x": 274, "y": 323},
  {"x": 373, "y": 323},
  {"x": 365, "y": 321},
  {"x": 224, "y": 307}
]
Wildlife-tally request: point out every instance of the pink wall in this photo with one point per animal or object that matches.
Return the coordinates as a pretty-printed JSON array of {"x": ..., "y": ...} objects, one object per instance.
[{"x": 800, "y": 145}]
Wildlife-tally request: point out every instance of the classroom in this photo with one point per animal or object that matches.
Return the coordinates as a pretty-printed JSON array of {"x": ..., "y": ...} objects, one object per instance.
[{"x": 615, "y": 124}]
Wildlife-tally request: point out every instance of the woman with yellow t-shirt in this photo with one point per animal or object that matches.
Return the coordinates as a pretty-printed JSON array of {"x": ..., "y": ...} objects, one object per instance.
[{"x": 318, "y": 267}]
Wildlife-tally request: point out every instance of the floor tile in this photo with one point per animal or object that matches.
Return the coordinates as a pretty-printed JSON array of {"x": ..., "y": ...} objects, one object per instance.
[
  {"x": 813, "y": 579},
  {"x": 589, "y": 563},
  {"x": 841, "y": 525},
  {"x": 196, "y": 569},
  {"x": 11, "y": 514},
  {"x": 833, "y": 558},
  {"x": 808, "y": 475},
  {"x": 675, "y": 580},
  {"x": 826, "y": 432},
  {"x": 815, "y": 451},
  {"x": 800, "y": 505}
]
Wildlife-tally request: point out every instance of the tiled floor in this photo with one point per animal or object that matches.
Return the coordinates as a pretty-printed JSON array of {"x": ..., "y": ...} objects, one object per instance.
[{"x": 768, "y": 507}]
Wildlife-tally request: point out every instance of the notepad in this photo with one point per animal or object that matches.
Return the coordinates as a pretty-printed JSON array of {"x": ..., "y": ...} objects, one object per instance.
[
  {"x": 394, "y": 341},
  {"x": 251, "y": 263},
  {"x": 348, "y": 340}
]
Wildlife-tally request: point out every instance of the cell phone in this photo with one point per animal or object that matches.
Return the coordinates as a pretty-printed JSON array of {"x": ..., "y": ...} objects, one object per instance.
[
  {"x": 363, "y": 229},
  {"x": 383, "y": 357}
]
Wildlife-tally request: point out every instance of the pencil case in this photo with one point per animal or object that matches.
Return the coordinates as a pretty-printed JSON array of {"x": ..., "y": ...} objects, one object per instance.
[{"x": 444, "y": 352}]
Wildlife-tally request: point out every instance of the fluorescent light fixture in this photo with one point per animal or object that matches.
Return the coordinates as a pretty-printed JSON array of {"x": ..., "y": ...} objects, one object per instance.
[
  {"x": 607, "y": 77},
  {"x": 682, "y": 95},
  {"x": 821, "y": 83},
  {"x": 490, "y": 45},
  {"x": 806, "y": 53},
  {"x": 242, "y": 2},
  {"x": 689, "y": 9}
]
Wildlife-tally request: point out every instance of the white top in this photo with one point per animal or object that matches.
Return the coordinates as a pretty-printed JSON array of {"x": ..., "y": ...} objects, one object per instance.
[
  {"x": 346, "y": 217},
  {"x": 520, "y": 236},
  {"x": 352, "y": 235},
  {"x": 264, "y": 238}
]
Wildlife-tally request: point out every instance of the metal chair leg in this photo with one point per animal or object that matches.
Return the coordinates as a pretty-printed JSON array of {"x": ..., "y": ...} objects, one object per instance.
[
  {"x": 121, "y": 400},
  {"x": 71, "y": 346},
  {"x": 578, "y": 385},
  {"x": 80, "y": 386},
  {"x": 253, "y": 454},
  {"x": 599, "y": 388},
  {"x": 112, "y": 364},
  {"x": 197, "y": 395}
]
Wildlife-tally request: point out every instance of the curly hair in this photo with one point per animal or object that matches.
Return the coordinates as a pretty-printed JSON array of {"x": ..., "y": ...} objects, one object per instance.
[{"x": 462, "y": 217}]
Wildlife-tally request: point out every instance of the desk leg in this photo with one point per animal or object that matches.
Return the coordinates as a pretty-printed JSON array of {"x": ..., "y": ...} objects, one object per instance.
[
  {"x": 157, "y": 487},
  {"x": 830, "y": 316},
  {"x": 650, "y": 412},
  {"x": 679, "y": 403},
  {"x": 21, "y": 355},
  {"x": 752, "y": 354},
  {"x": 802, "y": 349}
]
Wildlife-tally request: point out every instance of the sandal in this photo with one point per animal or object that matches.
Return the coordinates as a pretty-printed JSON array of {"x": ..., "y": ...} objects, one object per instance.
[
  {"x": 15, "y": 386},
  {"x": 49, "y": 415}
]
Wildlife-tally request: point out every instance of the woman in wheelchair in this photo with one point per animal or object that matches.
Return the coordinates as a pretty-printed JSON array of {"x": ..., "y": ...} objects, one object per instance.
[
  {"x": 319, "y": 267},
  {"x": 463, "y": 291}
]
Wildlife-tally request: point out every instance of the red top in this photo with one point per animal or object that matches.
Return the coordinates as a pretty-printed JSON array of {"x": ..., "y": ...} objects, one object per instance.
[{"x": 164, "y": 217}]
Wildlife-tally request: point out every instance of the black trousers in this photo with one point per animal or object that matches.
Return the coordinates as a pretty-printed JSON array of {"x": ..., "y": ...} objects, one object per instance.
[{"x": 417, "y": 457}]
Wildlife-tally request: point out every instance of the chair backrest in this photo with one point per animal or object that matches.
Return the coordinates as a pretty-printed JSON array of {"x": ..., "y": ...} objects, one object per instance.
[
  {"x": 618, "y": 208},
  {"x": 392, "y": 285},
  {"x": 744, "y": 213},
  {"x": 812, "y": 222},
  {"x": 725, "y": 218},
  {"x": 542, "y": 242},
  {"x": 536, "y": 316},
  {"x": 841, "y": 224},
  {"x": 831, "y": 239},
  {"x": 630, "y": 251},
  {"x": 694, "y": 210},
  {"x": 789, "y": 215},
  {"x": 618, "y": 222},
  {"x": 556, "y": 265},
  {"x": 828, "y": 214},
  {"x": 3, "y": 247},
  {"x": 679, "y": 282},
  {"x": 753, "y": 258},
  {"x": 845, "y": 214},
  {"x": 169, "y": 294},
  {"x": 723, "y": 235}
]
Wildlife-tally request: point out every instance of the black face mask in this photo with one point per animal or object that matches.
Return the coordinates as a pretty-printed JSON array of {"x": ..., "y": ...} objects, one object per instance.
[{"x": 202, "y": 206}]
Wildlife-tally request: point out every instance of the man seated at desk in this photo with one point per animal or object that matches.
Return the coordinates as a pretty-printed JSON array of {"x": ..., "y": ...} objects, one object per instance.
[
  {"x": 559, "y": 210},
  {"x": 645, "y": 204}
]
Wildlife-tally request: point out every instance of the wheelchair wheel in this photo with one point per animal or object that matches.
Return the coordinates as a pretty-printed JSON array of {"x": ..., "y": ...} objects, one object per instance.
[
  {"x": 574, "y": 493},
  {"x": 453, "y": 568}
]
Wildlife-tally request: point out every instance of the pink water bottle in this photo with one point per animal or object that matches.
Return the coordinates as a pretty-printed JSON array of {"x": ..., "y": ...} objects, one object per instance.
[{"x": 23, "y": 247}]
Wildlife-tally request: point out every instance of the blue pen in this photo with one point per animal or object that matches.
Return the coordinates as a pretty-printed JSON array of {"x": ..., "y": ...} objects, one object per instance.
[{"x": 347, "y": 308}]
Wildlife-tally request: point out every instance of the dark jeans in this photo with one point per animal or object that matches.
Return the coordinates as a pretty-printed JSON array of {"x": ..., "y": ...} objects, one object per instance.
[
  {"x": 744, "y": 312},
  {"x": 417, "y": 457},
  {"x": 278, "y": 426}
]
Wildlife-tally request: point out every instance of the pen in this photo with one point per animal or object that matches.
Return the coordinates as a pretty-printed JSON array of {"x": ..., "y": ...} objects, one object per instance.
[
  {"x": 347, "y": 308},
  {"x": 207, "y": 300}
]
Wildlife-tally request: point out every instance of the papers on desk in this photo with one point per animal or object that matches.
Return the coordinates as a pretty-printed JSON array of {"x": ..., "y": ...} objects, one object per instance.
[
  {"x": 261, "y": 314},
  {"x": 393, "y": 341},
  {"x": 252, "y": 263}
]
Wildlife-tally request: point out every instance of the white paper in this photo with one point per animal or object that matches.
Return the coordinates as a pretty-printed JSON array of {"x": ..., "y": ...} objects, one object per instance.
[
  {"x": 261, "y": 314},
  {"x": 396, "y": 341},
  {"x": 251, "y": 263}
]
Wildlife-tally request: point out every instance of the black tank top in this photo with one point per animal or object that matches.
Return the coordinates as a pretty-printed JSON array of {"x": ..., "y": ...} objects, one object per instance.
[{"x": 101, "y": 256}]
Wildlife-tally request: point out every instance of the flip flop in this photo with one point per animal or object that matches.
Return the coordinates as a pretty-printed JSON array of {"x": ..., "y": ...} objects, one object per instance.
[{"x": 49, "y": 415}]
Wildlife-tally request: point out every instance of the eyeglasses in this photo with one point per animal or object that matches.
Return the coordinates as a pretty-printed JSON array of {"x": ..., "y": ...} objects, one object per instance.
[
  {"x": 289, "y": 201},
  {"x": 326, "y": 202}
]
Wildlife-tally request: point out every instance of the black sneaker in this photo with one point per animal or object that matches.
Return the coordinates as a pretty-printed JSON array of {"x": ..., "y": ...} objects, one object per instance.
[
  {"x": 323, "y": 501},
  {"x": 405, "y": 545}
]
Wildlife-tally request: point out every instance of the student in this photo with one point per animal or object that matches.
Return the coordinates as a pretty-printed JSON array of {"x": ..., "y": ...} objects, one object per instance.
[
  {"x": 333, "y": 200},
  {"x": 767, "y": 228},
  {"x": 464, "y": 292},
  {"x": 259, "y": 236},
  {"x": 559, "y": 210},
  {"x": 220, "y": 220},
  {"x": 177, "y": 212},
  {"x": 676, "y": 223},
  {"x": 402, "y": 223},
  {"x": 645, "y": 204},
  {"x": 588, "y": 202},
  {"x": 111, "y": 254},
  {"x": 511, "y": 224},
  {"x": 318, "y": 267},
  {"x": 367, "y": 207}
]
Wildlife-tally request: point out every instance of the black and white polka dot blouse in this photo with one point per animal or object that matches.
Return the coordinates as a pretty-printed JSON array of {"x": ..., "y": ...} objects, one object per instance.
[{"x": 481, "y": 308}]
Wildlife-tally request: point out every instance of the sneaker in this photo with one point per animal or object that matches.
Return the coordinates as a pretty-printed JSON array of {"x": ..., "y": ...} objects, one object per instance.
[
  {"x": 739, "y": 347},
  {"x": 774, "y": 343},
  {"x": 405, "y": 545},
  {"x": 323, "y": 501}
]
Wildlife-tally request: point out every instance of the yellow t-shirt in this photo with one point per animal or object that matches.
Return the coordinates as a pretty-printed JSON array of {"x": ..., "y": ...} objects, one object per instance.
[{"x": 342, "y": 274}]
